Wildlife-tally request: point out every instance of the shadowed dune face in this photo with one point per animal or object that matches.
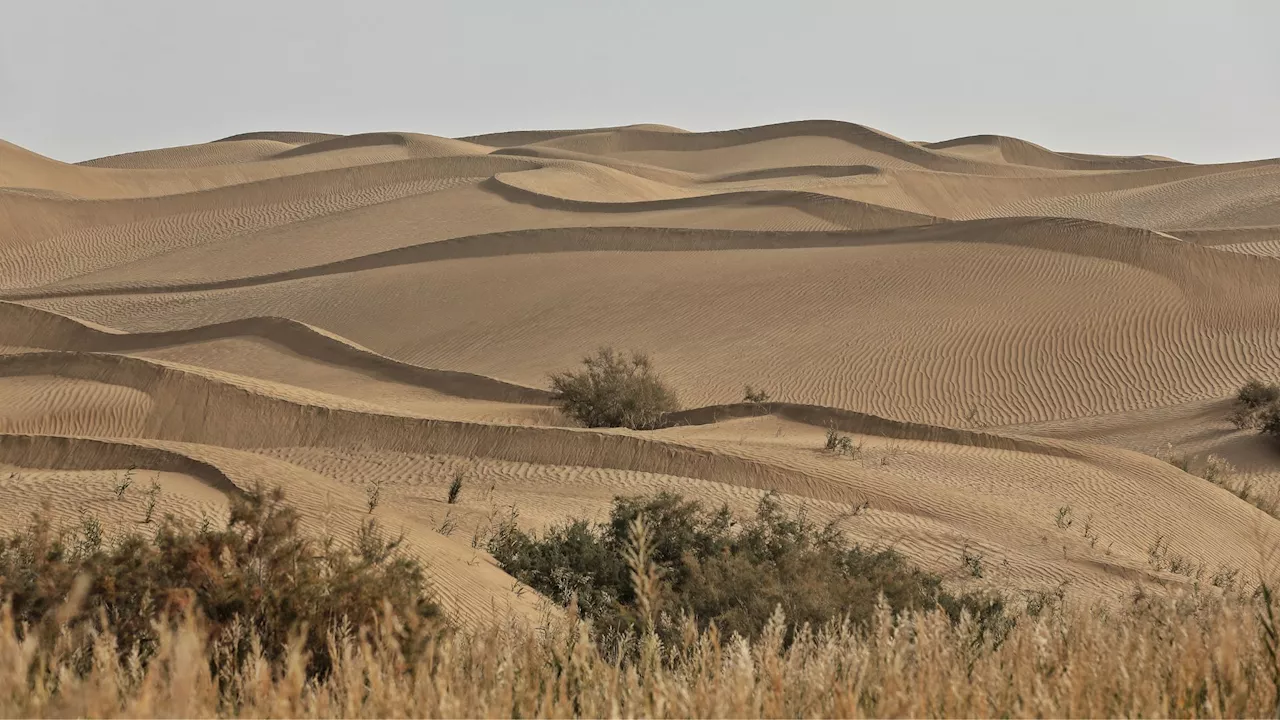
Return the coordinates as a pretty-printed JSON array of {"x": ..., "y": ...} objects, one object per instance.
[{"x": 1004, "y": 330}]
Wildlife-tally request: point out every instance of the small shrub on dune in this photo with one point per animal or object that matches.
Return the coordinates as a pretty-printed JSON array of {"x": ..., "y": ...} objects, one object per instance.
[
  {"x": 1256, "y": 394},
  {"x": 1269, "y": 421},
  {"x": 614, "y": 390},
  {"x": 259, "y": 580},
  {"x": 1257, "y": 406},
  {"x": 841, "y": 444}
]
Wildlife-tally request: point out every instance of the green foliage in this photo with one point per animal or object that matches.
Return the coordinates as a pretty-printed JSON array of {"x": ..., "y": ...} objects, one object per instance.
[
  {"x": 842, "y": 444},
  {"x": 153, "y": 497},
  {"x": 455, "y": 486},
  {"x": 972, "y": 561},
  {"x": 1064, "y": 517},
  {"x": 717, "y": 570},
  {"x": 1269, "y": 421},
  {"x": 1257, "y": 407},
  {"x": 614, "y": 390},
  {"x": 122, "y": 485},
  {"x": 1255, "y": 394},
  {"x": 258, "y": 577}
]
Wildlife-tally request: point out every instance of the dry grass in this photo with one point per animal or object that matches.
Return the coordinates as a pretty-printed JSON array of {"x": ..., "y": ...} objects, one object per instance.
[
  {"x": 1165, "y": 660},
  {"x": 1207, "y": 654},
  {"x": 1210, "y": 653}
]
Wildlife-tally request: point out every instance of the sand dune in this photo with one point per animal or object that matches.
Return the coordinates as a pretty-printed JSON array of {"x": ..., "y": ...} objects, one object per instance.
[
  {"x": 1004, "y": 328},
  {"x": 1021, "y": 152}
]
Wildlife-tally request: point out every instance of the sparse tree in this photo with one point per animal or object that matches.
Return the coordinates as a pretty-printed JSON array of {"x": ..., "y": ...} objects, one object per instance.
[{"x": 614, "y": 390}]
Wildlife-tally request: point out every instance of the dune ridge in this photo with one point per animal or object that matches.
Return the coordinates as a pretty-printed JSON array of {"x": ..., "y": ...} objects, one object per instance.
[
  {"x": 1002, "y": 329},
  {"x": 34, "y": 328}
]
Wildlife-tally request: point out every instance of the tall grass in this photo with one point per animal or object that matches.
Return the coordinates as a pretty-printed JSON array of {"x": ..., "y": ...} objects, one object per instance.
[
  {"x": 1164, "y": 660},
  {"x": 1210, "y": 653}
]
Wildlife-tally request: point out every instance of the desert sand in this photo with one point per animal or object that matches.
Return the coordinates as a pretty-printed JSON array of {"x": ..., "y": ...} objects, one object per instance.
[{"x": 1005, "y": 330}]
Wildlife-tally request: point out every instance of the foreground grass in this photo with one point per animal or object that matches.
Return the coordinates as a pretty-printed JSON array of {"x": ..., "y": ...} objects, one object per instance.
[
  {"x": 274, "y": 625},
  {"x": 1164, "y": 661}
]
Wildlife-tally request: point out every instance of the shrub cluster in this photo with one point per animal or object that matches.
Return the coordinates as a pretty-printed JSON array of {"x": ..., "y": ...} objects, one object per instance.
[
  {"x": 714, "y": 569},
  {"x": 258, "y": 580},
  {"x": 614, "y": 390},
  {"x": 1257, "y": 406}
]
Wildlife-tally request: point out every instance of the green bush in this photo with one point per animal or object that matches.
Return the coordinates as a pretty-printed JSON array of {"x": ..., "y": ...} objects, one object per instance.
[
  {"x": 1269, "y": 421},
  {"x": 257, "y": 578},
  {"x": 717, "y": 570},
  {"x": 1256, "y": 394},
  {"x": 613, "y": 390},
  {"x": 1257, "y": 406}
]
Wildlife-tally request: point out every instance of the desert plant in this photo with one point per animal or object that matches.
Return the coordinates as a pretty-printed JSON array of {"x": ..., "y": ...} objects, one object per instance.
[
  {"x": 1064, "y": 517},
  {"x": 752, "y": 395},
  {"x": 1244, "y": 418},
  {"x": 1270, "y": 636},
  {"x": 1257, "y": 406},
  {"x": 455, "y": 486},
  {"x": 1269, "y": 421},
  {"x": 614, "y": 390},
  {"x": 1089, "y": 533},
  {"x": 257, "y": 583},
  {"x": 89, "y": 537},
  {"x": 1190, "y": 655},
  {"x": 972, "y": 561},
  {"x": 706, "y": 568},
  {"x": 1215, "y": 469},
  {"x": 123, "y": 484},
  {"x": 1257, "y": 394},
  {"x": 842, "y": 444},
  {"x": 448, "y": 524},
  {"x": 1183, "y": 462},
  {"x": 149, "y": 505}
]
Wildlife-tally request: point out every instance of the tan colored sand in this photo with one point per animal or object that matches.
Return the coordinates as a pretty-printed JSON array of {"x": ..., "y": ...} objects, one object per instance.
[{"x": 1005, "y": 330}]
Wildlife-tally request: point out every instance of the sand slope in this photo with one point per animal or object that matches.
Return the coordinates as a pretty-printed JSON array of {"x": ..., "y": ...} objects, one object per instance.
[{"x": 1005, "y": 329}]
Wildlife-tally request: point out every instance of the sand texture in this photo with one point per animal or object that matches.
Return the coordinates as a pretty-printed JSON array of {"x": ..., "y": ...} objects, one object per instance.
[{"x": 1006, "y": 330}]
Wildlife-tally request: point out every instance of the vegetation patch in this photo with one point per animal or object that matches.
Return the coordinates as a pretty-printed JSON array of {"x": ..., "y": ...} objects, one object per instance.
[
  {"x": 258, "y": 583},
  {"x": 614, "y": 390},
  {"x": 711, "y": 568},
  {"x": 1257, "y": 406}
]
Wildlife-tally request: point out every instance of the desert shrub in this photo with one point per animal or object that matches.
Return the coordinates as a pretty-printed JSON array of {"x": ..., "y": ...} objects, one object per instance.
[
  {"x": 455, "y": 486},
  {"x": 1269, "y": 421},
  {"x": 1216, "y": 469},
  {"x": 716, "y": 570},
  {"x": 1257, "y": 406},
  {"x": 614, "y": 390},
  {"x": 754, "y": 395},
  {"x": 841, "y": 444},
  {"x": 1256, "y": 394},
  {"x": 257, "y": 580},
  {"x": 1243, "y": 418}
]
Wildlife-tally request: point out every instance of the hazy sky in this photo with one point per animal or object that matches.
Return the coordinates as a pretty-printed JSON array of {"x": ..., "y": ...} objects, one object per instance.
[{"x": 1198, "y": 81}]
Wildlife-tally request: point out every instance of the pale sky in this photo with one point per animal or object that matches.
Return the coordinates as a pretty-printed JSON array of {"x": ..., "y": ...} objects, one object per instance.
[{"x": 1198, "y": 81}]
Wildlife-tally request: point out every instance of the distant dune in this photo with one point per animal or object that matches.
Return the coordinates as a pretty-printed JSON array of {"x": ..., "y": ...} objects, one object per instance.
[{"x": 1008, "y": 330}]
